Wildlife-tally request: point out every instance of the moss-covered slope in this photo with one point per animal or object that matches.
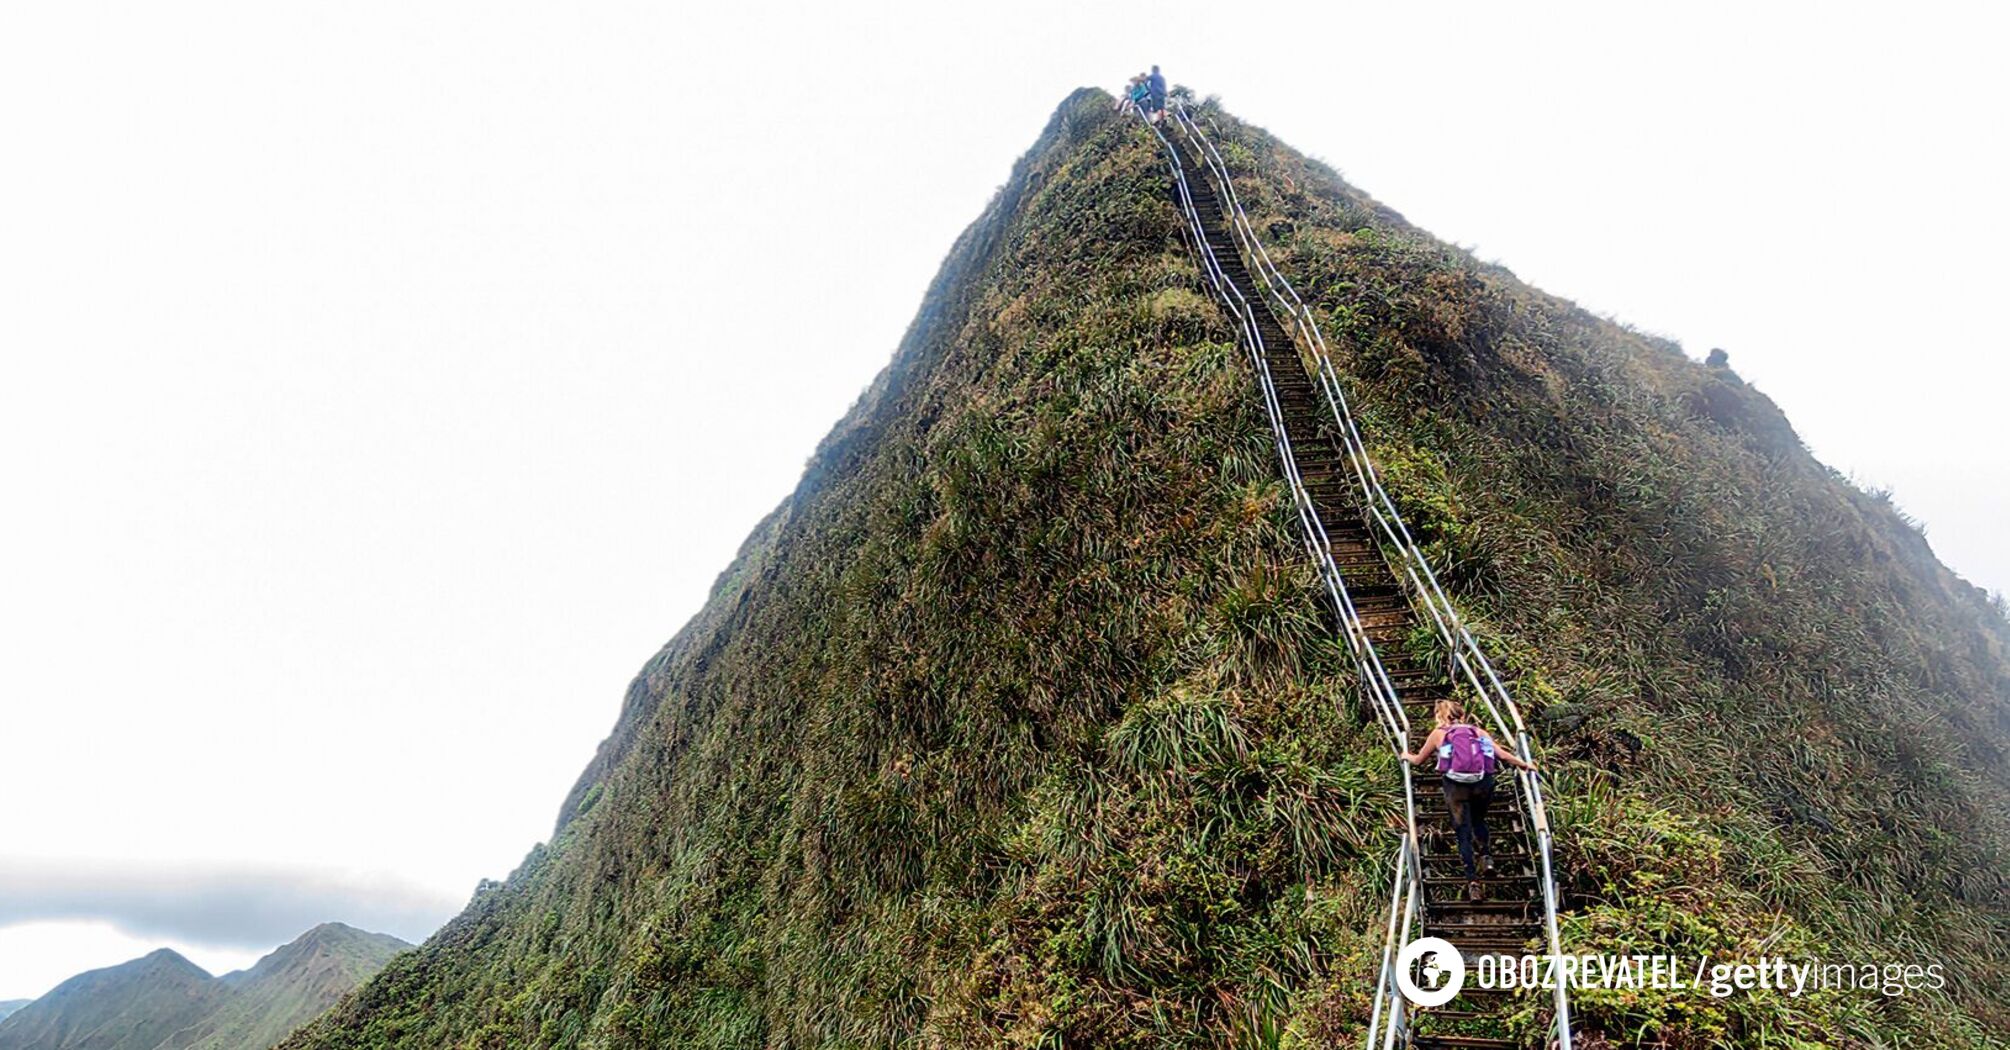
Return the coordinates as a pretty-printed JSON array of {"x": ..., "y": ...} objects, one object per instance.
[{"x": 1018, "y": 723}]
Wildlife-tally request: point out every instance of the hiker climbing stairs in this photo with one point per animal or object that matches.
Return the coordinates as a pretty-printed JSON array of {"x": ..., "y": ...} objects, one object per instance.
[{"x": 1507, "y": 915}]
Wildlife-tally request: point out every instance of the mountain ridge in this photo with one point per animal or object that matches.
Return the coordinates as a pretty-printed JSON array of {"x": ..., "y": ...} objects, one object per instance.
[
  {"x": 1018, "y": 723},
  {"x": 162, "y": 1001},
  {"x": 132, "y": 1004}
]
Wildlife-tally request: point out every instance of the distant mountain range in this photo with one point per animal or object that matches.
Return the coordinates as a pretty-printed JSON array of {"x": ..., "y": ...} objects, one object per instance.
[
  {"x": 8, "y": 1006},
  {"x": 162, "y": 1001}
]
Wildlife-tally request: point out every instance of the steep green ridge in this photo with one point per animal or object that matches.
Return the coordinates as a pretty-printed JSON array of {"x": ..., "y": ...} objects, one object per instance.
[
  {"x": 289, "y": 987},
  {"x": 1785, "y": 720},
  {"x": 131, "y": 1006},
  {"x": 1018, "y": 722},
  {"x": 165, "y": 1002}
]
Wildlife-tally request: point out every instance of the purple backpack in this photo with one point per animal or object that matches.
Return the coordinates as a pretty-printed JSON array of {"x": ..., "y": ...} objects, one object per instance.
[{"x": 1465, "y": 755}]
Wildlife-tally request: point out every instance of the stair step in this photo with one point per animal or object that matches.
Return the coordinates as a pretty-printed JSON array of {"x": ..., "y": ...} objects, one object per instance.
[
  {"x": 1484, "y": 880},
  {"x": 1434, "y": 823},
  {"x": 1439, "y": 1013},
  {"x": 1476, "y": 997},
  {"x": 1433, "y": 818},
  {"x": 1486, "y": 906},
  {"x": 1487, "y": 935},
  {"x": 1460, "y": 1042},
  {"x": 1464, "y": 933},
  {"x": 1500, "y": 857}
]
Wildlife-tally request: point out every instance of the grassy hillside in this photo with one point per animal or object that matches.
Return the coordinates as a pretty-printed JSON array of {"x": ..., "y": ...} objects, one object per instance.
[
  {"x": 288, "y": 988},
  {"x": 131, "y": 1006},
  {"x": 1018, "y": 724},
  {"x": 165, "y": 1002},
  {"x": 1786, "y": 720}
]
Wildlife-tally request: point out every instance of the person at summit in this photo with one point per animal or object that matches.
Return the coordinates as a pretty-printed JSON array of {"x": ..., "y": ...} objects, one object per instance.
[
  {"x": 1135, "y": 94},
  {"x": 1155, "y": 94}
]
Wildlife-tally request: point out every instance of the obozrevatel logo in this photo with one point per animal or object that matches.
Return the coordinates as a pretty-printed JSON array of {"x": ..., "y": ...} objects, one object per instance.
[{"x": 1442, "y": 968}]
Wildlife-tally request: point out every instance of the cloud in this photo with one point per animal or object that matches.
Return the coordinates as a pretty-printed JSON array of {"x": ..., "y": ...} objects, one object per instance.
[{"x": 223, "y": 905}]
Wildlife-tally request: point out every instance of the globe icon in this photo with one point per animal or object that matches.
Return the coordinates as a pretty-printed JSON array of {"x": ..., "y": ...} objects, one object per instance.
[{"x": 1440, "y": 965}]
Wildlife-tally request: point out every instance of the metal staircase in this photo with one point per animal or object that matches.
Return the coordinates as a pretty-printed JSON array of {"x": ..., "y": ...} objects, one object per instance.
[{"x": 1381, "y": 588}]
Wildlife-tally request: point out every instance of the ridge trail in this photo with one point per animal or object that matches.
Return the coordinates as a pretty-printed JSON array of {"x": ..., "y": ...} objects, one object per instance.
[{"x": 1510, "y": 914}]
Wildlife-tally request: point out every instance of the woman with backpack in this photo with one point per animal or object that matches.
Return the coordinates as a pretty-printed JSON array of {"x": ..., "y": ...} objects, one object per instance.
[{"x": 1466, "y": 756}]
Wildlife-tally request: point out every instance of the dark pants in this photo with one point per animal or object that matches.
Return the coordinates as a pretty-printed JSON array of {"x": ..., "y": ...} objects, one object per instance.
[{"x": 1468, "y": 803}]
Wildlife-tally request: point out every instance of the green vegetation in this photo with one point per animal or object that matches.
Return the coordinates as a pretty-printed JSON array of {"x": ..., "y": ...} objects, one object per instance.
[
  {"x": 1780, "y": 716},
  {"x": 1018, "y": 724},
  {"x": 165, "y": 1002},
  {"x": 289, "y": 987},
  {"x": 131, "y": 1006}
]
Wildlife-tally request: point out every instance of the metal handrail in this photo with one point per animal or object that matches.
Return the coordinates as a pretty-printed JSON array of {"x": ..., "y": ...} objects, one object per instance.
[
  {"x": 1464, "y": 651},
  {"x": 1382, "y": 509},
  {"x": 1375, "y": 679},
  {"x": 1404, "y": 895},
  {"x": 1381, "y": 689}
]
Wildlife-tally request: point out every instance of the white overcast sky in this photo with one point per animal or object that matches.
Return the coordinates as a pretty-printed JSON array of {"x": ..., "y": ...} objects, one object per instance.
[{"x": 384, "y": 382}]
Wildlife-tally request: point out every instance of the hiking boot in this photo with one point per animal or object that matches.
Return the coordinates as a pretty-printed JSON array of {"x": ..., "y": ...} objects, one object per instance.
[{"x": 1474, "y": 891}]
